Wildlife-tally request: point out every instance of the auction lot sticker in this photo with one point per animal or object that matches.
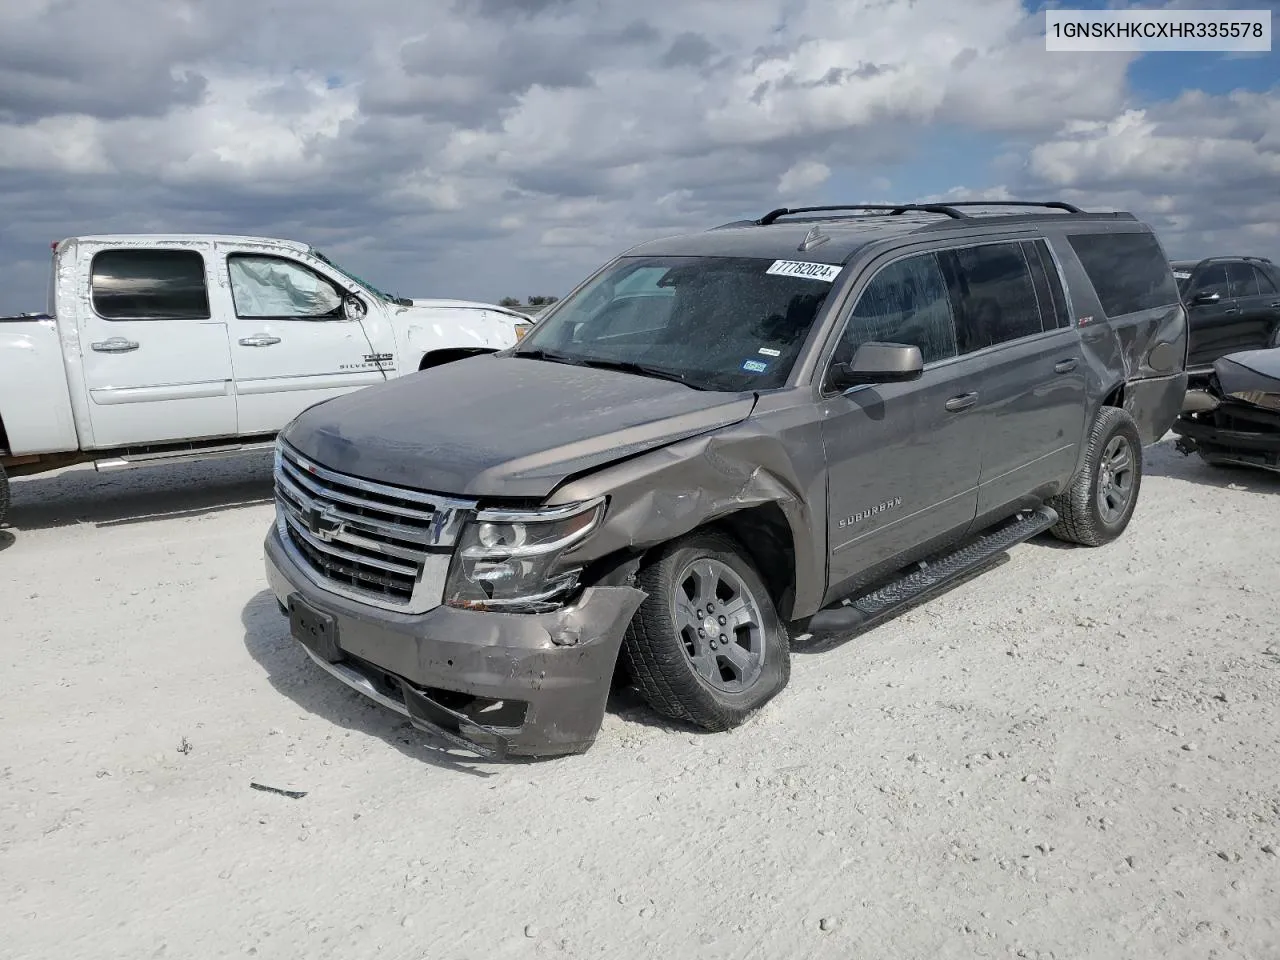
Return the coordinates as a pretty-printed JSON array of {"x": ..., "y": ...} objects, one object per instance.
[{"x": 813, "y": 271}]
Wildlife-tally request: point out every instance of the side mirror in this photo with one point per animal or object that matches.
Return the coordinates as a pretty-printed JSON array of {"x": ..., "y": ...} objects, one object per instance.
[
  {"x": 1202, "y": 299},
  {"x": 353, "y": 307},
  {"x": 879, "y": 363}
]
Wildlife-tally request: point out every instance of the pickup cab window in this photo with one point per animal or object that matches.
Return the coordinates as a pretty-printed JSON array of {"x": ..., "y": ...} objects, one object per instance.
[
  {"x": 280, "y": 289},
  {"x": 137, "y": 284}
]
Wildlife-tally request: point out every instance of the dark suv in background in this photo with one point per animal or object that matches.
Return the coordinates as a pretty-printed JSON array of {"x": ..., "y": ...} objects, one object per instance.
[
  {"x": 789, "y": 425},
  {"x": 1233, "y": 304}
]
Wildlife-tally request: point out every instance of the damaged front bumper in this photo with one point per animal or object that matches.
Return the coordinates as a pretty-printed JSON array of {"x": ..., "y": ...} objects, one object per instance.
[
  {"x": 1233, "y": 415},
  {"x": 1229, "y": 431},
  {"x": 498, "y": 684}
]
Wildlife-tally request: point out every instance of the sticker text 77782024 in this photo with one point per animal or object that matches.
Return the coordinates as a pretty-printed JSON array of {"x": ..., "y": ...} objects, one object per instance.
[{"x": 797, "y": 268}]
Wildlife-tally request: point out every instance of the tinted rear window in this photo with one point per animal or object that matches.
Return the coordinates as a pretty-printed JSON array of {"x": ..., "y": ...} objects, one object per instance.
[
  {"x": 996, "y": 296},
  {"x": 1044, "y": 273},
  {"x": 1127, "y": 270},
  {"x": 149, "y": 285}
]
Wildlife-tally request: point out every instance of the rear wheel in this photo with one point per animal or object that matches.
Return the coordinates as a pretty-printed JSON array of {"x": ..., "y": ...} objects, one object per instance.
[
  {"x": 1098, "y": 505},
  {"x": 706, "y": 645}
]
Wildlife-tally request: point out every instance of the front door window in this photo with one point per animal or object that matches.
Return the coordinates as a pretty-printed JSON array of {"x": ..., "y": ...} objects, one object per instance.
[{"x": 272, "y": 287}]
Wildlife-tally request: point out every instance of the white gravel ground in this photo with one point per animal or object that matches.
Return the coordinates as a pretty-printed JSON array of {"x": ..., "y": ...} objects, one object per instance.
[{"x": 1075, "y": 755}]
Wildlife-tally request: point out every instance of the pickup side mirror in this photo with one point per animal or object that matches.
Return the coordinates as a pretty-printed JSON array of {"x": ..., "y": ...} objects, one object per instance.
[
  {"x": 878, "y": 363},
  {"x": 353, "y": 307},
  {"x": 1203, "y": 299}
]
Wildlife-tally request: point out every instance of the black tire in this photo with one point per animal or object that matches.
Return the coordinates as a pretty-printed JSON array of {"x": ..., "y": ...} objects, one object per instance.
[
  {"x": 4, "y": 495},
  {"x": 1089, "y": 511},
  {"x": 659, "y": 650}
]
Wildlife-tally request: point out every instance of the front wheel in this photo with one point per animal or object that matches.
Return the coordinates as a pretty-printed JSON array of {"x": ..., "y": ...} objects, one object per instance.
[
  {"x": 706, "y": 645},
  {"x": 1098, "y": 505}
]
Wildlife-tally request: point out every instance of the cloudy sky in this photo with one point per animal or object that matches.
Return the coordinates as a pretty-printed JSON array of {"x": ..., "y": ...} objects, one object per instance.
[{"x": 480, "y": 148}]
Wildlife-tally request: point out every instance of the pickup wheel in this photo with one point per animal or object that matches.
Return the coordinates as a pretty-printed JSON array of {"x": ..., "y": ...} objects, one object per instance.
[
  {"x": 4, "y": 495},
  {"x": 706, "y": 645},
  {"x": 1097, "y": 506}
]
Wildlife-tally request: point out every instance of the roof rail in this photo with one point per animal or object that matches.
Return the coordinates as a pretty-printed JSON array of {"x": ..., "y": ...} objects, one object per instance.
[
  {"x": 1050, "y": 204},
  {"x": 1233, "y": 257},
  {"x": 893, "y": 208}
]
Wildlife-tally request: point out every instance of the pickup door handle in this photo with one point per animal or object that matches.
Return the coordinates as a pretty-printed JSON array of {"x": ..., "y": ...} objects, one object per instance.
[
  {"x": 1276, "y": 304},
  {"x": 962, "y": 402},
  {"x": 114, "y": 345},
  {"x": 1065, "y": 366},
  {"x": 258, "y": 340}
]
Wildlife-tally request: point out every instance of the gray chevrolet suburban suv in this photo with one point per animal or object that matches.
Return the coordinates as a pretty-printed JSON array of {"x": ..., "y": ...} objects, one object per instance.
[{"x": 779, "y": 427}]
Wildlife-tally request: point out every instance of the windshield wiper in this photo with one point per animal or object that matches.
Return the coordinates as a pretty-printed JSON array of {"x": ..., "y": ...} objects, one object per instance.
[
  {"x": 537, "y": 353},
  {"x": 600, "y": 363},
  {"x": 628, "y": 366}
]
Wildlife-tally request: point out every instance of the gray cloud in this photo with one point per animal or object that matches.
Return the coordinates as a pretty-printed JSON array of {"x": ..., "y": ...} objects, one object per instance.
[
  {"x": 688, "y": 50},
  {"x": 505, "y": 9},
  {"x": 108, "y": 60}
]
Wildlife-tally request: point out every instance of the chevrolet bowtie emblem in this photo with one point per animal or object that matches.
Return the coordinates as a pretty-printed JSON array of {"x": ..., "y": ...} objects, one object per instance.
[{"x": 322, "y": 523}]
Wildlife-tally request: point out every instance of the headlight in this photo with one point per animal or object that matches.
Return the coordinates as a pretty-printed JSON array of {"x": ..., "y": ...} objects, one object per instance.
[{"x": 508, "y": 560}]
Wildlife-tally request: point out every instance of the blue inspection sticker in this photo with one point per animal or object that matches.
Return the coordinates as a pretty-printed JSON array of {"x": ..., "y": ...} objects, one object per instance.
[{"x": 754, "y": 366}]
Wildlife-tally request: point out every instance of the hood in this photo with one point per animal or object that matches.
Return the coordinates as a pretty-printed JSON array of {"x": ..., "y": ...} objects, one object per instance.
[
  {"x": 504, "y": 427},
  {"x": 457, "y": 323},
  {"x": 1251, "y": 375}
]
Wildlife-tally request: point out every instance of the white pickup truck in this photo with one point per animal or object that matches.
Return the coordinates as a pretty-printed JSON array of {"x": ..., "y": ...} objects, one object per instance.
[{"x": 159, "y": 348}]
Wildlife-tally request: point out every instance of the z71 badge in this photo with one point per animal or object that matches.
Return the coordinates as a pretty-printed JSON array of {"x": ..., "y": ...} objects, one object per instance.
[{"x": 871, "y": 512}]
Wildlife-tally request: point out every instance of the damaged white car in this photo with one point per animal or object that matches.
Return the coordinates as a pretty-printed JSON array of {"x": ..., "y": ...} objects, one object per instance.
[{"x": 160, "y": 348}]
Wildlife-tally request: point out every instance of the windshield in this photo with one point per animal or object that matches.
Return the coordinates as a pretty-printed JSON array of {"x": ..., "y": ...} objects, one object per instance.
[
  {"x": 364, "y": 283},
  {"x": 714, "y": 323},
  {"x": 1183, "y": 276}
]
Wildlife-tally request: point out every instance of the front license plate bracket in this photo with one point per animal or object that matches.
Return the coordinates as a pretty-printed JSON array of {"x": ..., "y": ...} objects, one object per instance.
[{"x": 316, "y": 631}]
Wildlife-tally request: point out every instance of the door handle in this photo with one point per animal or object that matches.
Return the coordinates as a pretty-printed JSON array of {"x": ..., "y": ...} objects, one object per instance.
[
  {"x": 114, "y": 345},
  {"x": 1230, "y": 310},
  {"x": 1065, "y": 366},
  {"x": 258, "y": 340},
  {"x": 1275, "y": 305},
  {"x": 962, "y": 402}
]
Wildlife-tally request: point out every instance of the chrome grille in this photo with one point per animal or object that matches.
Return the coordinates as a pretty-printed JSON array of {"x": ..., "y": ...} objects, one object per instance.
[{"x": 380, "y": 544}]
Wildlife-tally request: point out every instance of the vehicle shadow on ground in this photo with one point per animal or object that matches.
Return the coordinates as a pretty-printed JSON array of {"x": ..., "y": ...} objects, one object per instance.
[
  {"x": 290, "y": 671},
  {"x": 804, "y": 643},
  {"x": 7, "y": 540},
  {"x": 82, "y": 495},
  {"x": 1163, "y": 460}
]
